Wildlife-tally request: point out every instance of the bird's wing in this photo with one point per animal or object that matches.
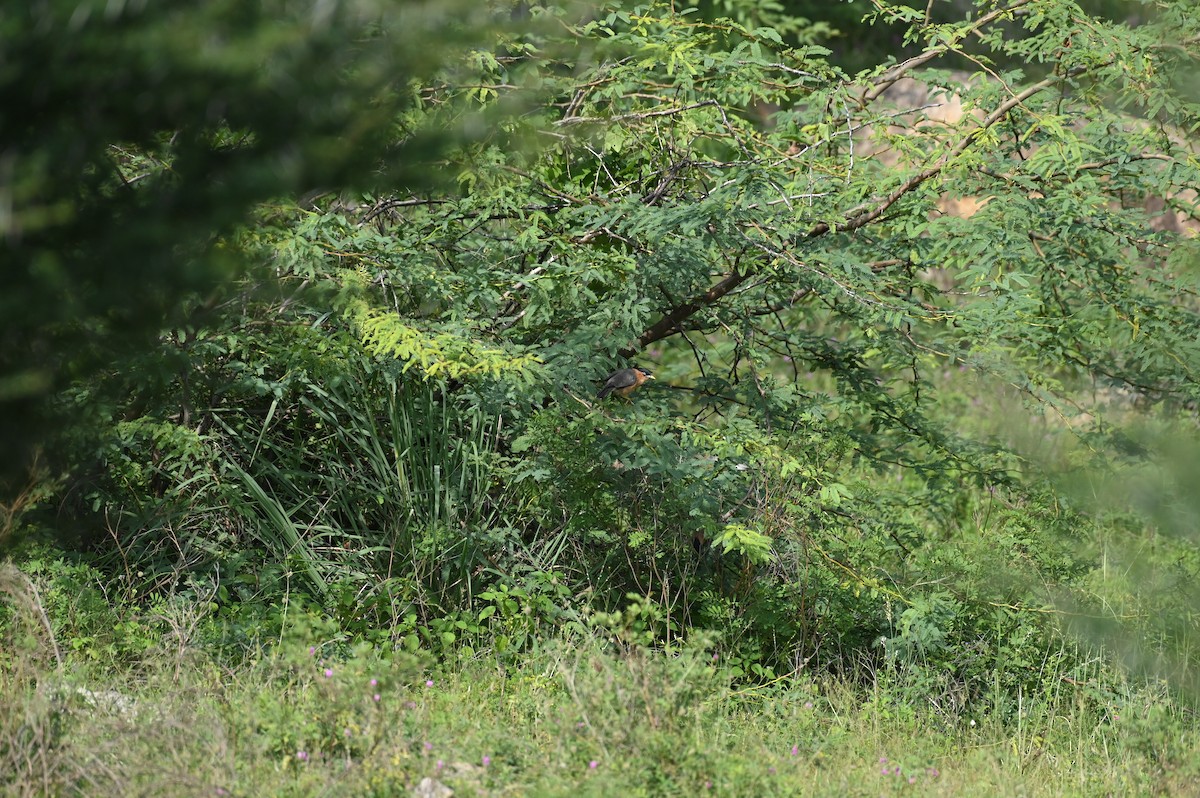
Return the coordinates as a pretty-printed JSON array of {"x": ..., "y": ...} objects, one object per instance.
[{"x": 617, "y": 380}]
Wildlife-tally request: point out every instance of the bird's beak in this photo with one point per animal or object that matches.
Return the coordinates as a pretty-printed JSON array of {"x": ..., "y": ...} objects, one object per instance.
[{"x": 649, "y": 376}]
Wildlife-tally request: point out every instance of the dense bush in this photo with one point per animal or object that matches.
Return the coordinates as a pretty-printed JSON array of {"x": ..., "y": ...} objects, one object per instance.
[{"x": 847, "y": 462}]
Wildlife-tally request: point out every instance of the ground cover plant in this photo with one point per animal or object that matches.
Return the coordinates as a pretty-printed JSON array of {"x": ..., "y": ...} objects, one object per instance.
[
  {"x": 298, "y": 393},
  {"x": 311, "y": 712}
]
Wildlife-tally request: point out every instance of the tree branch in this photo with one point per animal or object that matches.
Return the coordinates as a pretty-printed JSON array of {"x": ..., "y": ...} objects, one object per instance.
[
  {"x": 889, "y": 78},
  {"x": 669, "y": 323},
  {"x": 860, "y": 216},
  {"x": 854, "y": 219}
]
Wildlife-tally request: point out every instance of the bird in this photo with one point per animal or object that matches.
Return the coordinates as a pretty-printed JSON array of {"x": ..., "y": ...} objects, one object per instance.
[{"x": 625, "y": 381}]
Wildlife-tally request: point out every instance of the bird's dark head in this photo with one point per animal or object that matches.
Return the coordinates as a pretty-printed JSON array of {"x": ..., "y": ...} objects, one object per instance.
[{"x": 645, "y": 372}]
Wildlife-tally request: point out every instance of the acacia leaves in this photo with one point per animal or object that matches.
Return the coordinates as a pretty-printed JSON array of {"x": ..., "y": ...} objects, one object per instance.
[
  {"x": 830, "y": 273},
  {"x": 852, "y": 289}
]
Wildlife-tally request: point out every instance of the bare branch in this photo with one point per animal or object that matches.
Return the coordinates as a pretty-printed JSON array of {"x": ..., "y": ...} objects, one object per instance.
[
  {"x": 578, "y": 120},
  {"x": 889, "y": 78}
]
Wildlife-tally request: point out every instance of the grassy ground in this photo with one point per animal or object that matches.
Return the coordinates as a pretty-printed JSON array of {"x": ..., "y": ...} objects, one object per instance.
[{"x": 302, "y": 717}]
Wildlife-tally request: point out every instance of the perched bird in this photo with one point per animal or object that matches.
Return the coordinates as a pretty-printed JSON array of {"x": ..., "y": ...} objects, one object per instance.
[{"x": 625, "y": 381}]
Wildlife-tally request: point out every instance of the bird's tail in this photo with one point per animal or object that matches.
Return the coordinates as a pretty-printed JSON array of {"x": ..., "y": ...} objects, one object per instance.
[{"x": 604, "y": 392}]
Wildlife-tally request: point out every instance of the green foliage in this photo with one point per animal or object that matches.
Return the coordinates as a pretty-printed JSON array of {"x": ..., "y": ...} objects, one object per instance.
[
  {"x": 876, "y": 323},
  {"x": 138, "y": 133},
  {"x": 442, "y": 355},
  {"x": 596, "y": 713},
  {"x": 637, "y": 706},
  {"x": 70, "y": 605},
  {"x": 327, "y": 461},
  {"x": 754, "y": 546},
  {"x": 329, "y": 700}
]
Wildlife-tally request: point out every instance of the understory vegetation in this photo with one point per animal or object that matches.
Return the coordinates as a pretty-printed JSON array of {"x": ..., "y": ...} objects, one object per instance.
[
  {"x": 306, "y": 489},
  {"x": 596, "y": 711}
]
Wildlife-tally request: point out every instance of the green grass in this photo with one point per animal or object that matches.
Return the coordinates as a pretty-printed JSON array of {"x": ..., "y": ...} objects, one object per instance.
[{"x": 298, "y": 716}]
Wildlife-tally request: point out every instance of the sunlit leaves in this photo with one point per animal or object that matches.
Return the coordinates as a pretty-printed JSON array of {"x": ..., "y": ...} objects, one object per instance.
[
  {"x": 438, "y": 355},
  {"x": 740, "y": 539}
]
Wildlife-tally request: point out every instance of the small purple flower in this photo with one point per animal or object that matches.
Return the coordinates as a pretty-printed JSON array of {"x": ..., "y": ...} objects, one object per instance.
[
  {"x": 912, "y": 779},
  {"x": 328, "y": 672},
  {"x": 428, "y": 746},
  {"x": 429, "y": 682},
  {"x": 885, "y": 771},
  {"x": 375, "y": 697},
  {"x": 808, "y": 705},
  {"x": 312, "y": 650},
  {"x": 302, "y": 756},
  {"x": 593, "y": 765},
  {"x": 708, "y": 785},
  {"x": 374, "y": 682},
  {"x": 346, "y": 732},
  {"x": 795, "y": 750},
  {"x": 883, "y": 760},
  {"x": 440, "y": 764},
  {"x": 487, "y": 760},
  {"x": 933, "y": 772}
]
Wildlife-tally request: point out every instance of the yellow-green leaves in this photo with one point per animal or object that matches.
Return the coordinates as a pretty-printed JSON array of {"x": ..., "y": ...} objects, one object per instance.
[
  {"x": 438, "y": 354},
  {"x": 741, "y": 539}
]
